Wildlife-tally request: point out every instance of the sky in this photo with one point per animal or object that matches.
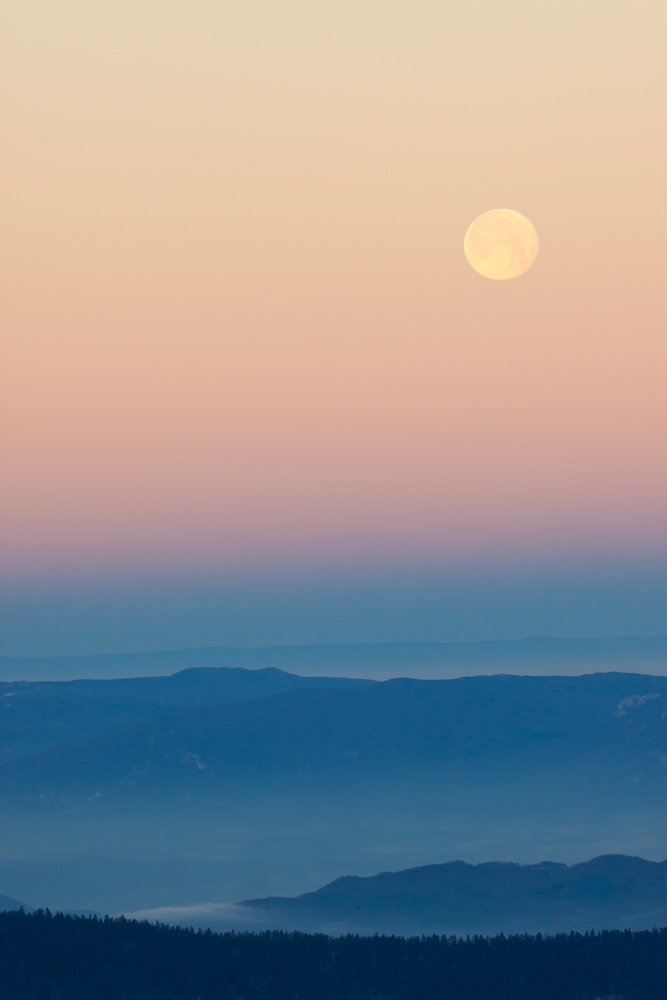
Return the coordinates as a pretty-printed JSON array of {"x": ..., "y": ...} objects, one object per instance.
[{"x": 250, "y": 389}]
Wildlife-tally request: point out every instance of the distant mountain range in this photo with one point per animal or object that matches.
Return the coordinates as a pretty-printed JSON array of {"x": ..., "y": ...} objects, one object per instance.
[
  {"x": 598, "y": 726},
  {"x": 485, "y": 764},
  {"x": 40, "y": 715},
  {"x": 540, "y": 655},
  {"x": 613, "y": 891}
]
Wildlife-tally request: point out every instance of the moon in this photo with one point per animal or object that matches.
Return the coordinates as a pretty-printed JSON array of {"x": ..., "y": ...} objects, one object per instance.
[{"x": 501, "y": 244}]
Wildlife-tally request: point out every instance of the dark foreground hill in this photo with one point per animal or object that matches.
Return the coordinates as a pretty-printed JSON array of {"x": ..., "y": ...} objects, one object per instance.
[
  {"x": 44, "y": 956},
  {"x": 456, "y": 898}
]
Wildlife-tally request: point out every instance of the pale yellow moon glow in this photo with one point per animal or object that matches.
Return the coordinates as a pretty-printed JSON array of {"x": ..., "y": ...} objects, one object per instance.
[{"x": 501, "y": 244}]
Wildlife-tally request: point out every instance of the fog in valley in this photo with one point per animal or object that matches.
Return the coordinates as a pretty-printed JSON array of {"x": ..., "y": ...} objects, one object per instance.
[{"x": 214, "y": 786}]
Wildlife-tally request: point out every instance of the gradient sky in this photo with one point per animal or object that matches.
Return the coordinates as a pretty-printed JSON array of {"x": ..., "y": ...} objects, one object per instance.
[{"x": 241, "y": 344}]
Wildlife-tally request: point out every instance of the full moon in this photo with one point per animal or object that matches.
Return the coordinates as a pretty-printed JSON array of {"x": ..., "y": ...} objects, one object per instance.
[{"x": 501, "y": 244}]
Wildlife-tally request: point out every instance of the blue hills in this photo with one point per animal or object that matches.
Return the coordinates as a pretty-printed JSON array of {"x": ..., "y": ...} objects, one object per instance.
[
  {"x": 613, "y": 891},
  {"x": 284, "y": 783},
  {"x": 581, "y": 729}
]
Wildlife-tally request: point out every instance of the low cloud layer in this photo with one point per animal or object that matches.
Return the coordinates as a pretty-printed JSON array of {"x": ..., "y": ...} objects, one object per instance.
[{"x": 221, "y": 916}]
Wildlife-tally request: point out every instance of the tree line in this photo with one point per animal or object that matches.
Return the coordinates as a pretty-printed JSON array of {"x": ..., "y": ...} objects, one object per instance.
[{"x": 46, "y": 956}]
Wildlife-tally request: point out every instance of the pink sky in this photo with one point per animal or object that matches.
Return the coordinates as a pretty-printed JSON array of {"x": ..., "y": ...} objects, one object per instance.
[{"x": 238, "y": 326}]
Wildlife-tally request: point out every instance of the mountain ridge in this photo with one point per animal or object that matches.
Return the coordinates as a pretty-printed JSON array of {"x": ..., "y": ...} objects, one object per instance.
[
  {"x": 608, "y": 891},
  {"x": 506, "y": 760},
  {"x": 40, "y": 715},
  {"x": 381, "y": 659},
  {"x": 389, "y": 726}
]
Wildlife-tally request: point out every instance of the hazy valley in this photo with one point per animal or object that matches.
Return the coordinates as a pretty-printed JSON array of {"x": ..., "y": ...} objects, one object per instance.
[{"x": 217, "y": 785}]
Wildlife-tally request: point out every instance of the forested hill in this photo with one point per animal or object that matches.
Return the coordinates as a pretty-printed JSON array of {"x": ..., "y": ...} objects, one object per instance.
[
  {"x": 42, "y": 715},
  {"x": 507, "y": 755},
  {"x": 612, "y": 891},
  {"x": 73, "y": 958}
]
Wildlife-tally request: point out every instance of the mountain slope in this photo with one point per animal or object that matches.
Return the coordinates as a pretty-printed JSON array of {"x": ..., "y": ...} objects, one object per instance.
[
  {"x": 471, "y": 766},
  {"x": 457, "y": 898},
  {"x": 39, "y": 715},
  {"x": 603, "y": 723}
]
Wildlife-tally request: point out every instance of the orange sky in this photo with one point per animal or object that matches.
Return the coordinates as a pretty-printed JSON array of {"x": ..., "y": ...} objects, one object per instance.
[{"x": 238, "y": 326}]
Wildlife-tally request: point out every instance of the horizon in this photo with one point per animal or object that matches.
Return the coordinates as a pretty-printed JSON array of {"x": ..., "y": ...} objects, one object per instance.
[
  {"x": 539, "y": 656},
  {"x": 98, "y": 615}
]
